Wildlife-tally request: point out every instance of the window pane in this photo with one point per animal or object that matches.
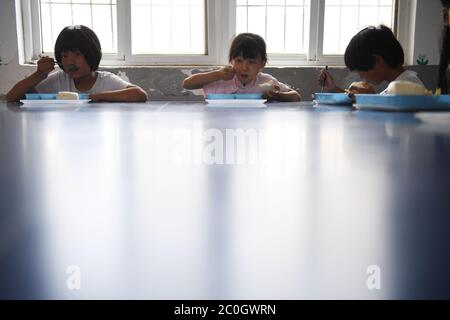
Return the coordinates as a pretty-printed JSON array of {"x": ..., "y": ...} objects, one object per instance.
[
  {"x": 99, "y": 15},
  {"x": 168, "y": 26},
  {"x": 275, "y": 38},
  {"x": 284, "y": 24},
  {"x": 255, "y": 23},
  {"x": 344, "y": 18}
]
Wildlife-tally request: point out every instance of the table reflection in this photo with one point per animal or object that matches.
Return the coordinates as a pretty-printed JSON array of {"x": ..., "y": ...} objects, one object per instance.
[{"x": 175, "y": 201}]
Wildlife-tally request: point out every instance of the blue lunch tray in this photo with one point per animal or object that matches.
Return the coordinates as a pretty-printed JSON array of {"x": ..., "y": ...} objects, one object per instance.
[
  {"x": 235, "y": 96},
  {"x": 402, "y": 102},
  {"x": 50, "y": 96},
  {"x": 342, "y": 99}
]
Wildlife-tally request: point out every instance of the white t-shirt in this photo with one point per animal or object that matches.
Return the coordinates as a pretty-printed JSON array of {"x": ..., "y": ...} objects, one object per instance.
[
  {"x": 60, "y": 81},
  {"x": 407, "y": 75}
]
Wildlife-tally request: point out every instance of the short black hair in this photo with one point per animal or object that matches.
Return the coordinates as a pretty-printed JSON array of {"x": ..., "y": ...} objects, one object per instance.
[
  {"x": 248, "y": 46},
  {"x": 79, "y": 38},
  {"x": 445, "y": 3},
  {"x": 371, "y": 41}
]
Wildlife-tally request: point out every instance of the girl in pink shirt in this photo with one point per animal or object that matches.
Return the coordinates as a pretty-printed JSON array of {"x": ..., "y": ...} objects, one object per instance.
[{"x": 247, "y": 58}]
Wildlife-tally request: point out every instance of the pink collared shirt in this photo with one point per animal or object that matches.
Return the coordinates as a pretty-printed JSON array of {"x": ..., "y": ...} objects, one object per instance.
[{"x": 235, "y": 86}]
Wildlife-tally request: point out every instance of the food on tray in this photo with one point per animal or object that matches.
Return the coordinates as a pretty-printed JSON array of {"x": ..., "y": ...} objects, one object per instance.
[
  {"x": 269, "y": 86},
  {"x": 65, "y": 95},
  {"x": 360, "y": 87},
  {"x": 407, "y": 88}
]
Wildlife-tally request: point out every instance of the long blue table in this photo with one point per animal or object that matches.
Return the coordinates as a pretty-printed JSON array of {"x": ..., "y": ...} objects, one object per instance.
[{"x": 172, "y": 200}]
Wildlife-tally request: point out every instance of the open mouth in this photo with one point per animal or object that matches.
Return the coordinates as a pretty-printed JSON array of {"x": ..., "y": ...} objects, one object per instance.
[
  {"x": 244, "y": 78},
  {"x": 71, "y": 68}
]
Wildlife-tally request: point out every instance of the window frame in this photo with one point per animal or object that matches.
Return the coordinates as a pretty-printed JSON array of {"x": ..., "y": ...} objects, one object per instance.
[{"x": 220, "y": 28}]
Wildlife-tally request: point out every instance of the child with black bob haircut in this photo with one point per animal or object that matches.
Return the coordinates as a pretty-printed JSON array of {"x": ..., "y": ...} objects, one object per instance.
[
  {"x": 247, "y": 57},
  {"x": 377, "y": 56},
  {"x": 78, "y": 53}
]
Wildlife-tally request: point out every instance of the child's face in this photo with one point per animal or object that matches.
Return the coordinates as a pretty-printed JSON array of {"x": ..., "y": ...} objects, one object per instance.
[
  {"x": 247, "y": 69},
  {"x": 372, "y": 76},
  {"x": 378, "y": 73},
  {"x": 75, "y": 64}
]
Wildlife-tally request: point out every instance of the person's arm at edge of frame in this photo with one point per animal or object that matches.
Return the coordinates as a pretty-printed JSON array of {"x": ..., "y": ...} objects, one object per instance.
[{"x": 129, "y": 94}]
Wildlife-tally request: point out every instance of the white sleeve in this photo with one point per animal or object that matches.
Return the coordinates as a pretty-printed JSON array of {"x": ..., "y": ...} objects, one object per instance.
[
  {"x": 410, "y": 76},
  {"x": 112, "y": 82},
  {"x": 49, "y": 85},
  {"x": 283, "y": 87},
  {"x": 414, "y": 78}
]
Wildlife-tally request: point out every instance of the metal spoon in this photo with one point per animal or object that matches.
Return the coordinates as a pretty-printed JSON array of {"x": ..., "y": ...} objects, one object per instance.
[{"x": 72, "y": 68}]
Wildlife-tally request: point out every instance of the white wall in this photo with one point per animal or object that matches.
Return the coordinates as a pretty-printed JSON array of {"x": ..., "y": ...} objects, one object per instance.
[
  {"x": 12, "y": 71},
  {"x": 428, "y": 28},
  {"x": 7, "y": 30}
]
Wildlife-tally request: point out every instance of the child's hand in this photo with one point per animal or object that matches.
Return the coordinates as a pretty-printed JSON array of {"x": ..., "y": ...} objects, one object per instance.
[
  {"x": 272, "y": 93},
  {"x": 326, "y": 81},
  {"x": 226, "y": 73},
  {"x": 95, "y": 97},
  {"x": 45, "y": 65},
  {"x": 360, "y": 87}
]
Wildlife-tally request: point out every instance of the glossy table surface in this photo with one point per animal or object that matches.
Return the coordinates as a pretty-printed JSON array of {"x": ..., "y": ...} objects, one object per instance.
[{"x": 171, "y": 200}]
